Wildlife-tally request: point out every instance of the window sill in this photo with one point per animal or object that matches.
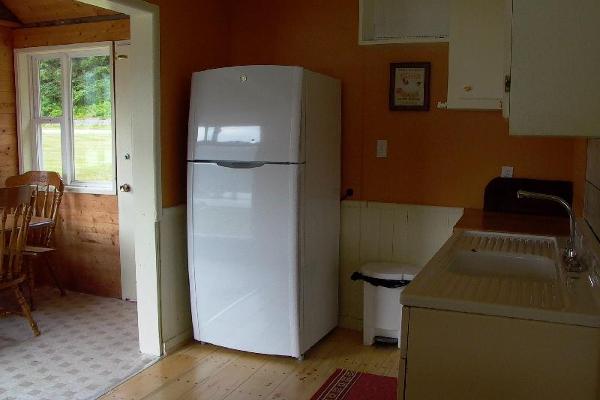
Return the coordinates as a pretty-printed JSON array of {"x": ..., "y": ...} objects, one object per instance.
[{"x": 91, "y": 190}]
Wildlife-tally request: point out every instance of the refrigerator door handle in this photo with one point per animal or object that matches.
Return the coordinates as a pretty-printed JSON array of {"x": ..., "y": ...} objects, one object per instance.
[{"x": 240, "y": 164}]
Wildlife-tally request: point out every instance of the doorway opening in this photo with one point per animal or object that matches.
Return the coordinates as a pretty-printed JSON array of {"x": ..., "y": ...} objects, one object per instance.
[{"x": 99, "y": 141}]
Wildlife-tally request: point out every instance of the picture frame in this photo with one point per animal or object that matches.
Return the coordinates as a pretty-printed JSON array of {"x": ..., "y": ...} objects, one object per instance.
[{"x": 410, "y": 86}]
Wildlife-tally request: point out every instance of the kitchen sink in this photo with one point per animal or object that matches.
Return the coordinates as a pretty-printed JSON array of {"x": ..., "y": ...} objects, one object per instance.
[{"x": 492, "y": 264}]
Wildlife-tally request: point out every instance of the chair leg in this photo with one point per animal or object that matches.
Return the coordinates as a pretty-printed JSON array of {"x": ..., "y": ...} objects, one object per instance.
[
  {"x": 54, "y": 277},
  {"x": 30, "y": 282},
  {"x": 26, "y": 310}
]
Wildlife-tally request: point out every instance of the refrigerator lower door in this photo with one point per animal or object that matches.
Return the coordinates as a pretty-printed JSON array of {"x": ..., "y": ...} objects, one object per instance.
[{"x": 243, "y": 256}]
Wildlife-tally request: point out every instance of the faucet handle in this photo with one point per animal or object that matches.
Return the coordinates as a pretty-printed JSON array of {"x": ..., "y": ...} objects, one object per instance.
[{"x": 571, "y": 261}]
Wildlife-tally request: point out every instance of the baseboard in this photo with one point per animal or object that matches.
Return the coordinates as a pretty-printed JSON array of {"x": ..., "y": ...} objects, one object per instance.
[{"x": 175, "y": 343}]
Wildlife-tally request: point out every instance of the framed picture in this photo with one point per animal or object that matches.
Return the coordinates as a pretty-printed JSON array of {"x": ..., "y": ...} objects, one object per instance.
[{"x": 409, "y": 86}]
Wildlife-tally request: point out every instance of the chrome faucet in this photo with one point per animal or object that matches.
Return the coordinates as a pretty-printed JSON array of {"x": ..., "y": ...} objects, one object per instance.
[{"x": 570, "y": 254}]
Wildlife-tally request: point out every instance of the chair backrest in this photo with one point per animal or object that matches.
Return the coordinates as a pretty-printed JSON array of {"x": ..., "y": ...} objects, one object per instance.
[
  {"x": 49, "y": 189},
  {"x": 15, "y": 214}
]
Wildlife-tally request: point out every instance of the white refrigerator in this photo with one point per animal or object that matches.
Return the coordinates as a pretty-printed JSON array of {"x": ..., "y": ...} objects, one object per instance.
[{"x": 263, "y": 207}]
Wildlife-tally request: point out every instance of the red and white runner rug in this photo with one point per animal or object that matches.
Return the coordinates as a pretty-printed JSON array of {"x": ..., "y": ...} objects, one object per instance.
[{"x": 344, "y": 384}]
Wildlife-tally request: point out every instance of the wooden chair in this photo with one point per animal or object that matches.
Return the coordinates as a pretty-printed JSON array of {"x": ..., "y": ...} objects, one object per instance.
[
  {"x": 15, "y": 214},
  {"x": 48, "y": 191}
]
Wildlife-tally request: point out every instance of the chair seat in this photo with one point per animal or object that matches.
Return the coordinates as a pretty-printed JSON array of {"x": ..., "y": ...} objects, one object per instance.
[{"x": 35, "y": 250}]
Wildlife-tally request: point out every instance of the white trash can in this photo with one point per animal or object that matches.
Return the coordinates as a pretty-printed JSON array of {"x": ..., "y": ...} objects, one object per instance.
[{"x": 382, "y": 311}]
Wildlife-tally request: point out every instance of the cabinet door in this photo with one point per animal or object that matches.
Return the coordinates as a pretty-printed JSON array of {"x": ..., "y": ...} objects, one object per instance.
[
  {"x": 477, "y": 54},
  {"x": 555, "y": 62},
  {"x": 460, "y": 356}
]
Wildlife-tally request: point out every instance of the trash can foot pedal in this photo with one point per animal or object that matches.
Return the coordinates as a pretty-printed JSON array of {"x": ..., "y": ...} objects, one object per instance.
[{"x": 385, "y": 340}]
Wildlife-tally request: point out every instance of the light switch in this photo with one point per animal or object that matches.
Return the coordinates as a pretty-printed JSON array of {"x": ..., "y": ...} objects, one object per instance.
[
  {"x": 382, "y": 148},
  {"x": 507, "y": 172}
]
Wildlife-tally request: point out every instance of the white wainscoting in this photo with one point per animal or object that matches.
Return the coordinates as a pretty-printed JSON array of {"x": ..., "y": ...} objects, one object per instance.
[
  {"x": 386, "y": 232},
  {"x": 592, "y": 188},
  {"x": 176, "y": 317},
  {"x": 590, "y": 228}
]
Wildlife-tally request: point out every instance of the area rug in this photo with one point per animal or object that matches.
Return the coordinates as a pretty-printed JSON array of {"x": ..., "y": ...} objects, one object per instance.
[
  {"x": 88, "y": 345},
  {"x": 344, "y": 384}
]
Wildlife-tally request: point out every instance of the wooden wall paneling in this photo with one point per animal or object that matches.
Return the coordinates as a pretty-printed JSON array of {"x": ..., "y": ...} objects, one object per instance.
[
  {"x": 350, "y": 292},
  {"x": 175, "y": 303},
  {"x": 32, "y": 11},
  {"x": 87, "y": 241},
  {"x": 592, "y": 207},
  {"x": 385, "y": 232},
  {"x": 428, "y": 229},
  {"x": 387, "y": 223},
  {"x": 401, "y": 234},
  {"x": 7, "y": 18},
  {"x": 593, "y": 162},
  {"x": 8, "y": 132},
  {"x": 70, "y": 34},
  {"x": 370, "y": 232},
  {"x": 592, "y": 189}
]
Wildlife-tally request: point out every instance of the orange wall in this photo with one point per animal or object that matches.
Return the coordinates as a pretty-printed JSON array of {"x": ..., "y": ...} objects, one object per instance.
[
  {"x": 193, "y": 37},
  {"x": 438, "y": 157}
]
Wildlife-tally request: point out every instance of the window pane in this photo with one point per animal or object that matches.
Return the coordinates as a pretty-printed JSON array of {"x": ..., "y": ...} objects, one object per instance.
[
  {"x": 92, "y": 124},
  {"x": 51, "y": 148},
  {"x": 50, "y": 76}
]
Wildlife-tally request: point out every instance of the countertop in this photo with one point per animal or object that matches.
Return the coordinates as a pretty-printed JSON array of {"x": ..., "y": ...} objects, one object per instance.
[
  {"x": 544, "y": 292},
  {"x": 485, "y": 221}
]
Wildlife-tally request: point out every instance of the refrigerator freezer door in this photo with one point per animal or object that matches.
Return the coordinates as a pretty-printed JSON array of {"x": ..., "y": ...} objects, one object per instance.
[
  {"x": 250, "y": 113},
  {"x": 243, "y": 256}
]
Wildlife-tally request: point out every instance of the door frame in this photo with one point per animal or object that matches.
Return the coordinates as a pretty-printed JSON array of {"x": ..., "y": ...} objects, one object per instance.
[{"x": 147, "y": 184}]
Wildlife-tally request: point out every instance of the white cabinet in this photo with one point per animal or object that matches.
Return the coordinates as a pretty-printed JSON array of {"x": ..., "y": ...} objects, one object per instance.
[
  {"x": 477, "y": 54},
  {"x": 555, "y": 68},
  {"x": 403, "y": 21},
  {"x": 457, "y": 356}
]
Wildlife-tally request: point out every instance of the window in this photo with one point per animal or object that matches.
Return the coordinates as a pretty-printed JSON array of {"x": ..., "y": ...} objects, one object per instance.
[{"x": 67, "y": 121}]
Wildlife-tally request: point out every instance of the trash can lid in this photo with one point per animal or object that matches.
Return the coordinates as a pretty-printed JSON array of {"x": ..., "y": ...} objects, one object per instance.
[{"x": 391, "y": 271}]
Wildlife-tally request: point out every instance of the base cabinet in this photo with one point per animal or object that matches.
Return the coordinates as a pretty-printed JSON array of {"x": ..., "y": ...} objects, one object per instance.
[{"x": 451, "y": 355}]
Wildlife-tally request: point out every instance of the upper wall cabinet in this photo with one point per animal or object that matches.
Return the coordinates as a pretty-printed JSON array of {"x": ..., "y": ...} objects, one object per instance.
[
  {"x": 477, "y": 52},
  {"x": 555, "y": 68},
  {"x": 403, "y": 21}
]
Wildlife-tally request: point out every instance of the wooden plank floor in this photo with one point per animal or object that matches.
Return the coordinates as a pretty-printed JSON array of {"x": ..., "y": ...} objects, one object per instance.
[{"x": 210, "y": 372}]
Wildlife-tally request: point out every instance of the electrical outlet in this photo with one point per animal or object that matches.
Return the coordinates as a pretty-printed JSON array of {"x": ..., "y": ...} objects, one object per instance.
[
  {"x": 382, "y": 148},
  {"x": 507, "y": 172}
]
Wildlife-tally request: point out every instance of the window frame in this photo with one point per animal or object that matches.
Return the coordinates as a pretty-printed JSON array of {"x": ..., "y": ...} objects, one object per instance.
[{"x": 28, "y": 109}]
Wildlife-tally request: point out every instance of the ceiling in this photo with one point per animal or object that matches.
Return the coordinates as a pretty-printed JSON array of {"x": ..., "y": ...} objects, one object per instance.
[{"x": 37, "y": 11}]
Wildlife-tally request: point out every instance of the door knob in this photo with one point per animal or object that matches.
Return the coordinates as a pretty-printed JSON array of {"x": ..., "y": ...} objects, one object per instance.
[{"x": 125, "y": 188}]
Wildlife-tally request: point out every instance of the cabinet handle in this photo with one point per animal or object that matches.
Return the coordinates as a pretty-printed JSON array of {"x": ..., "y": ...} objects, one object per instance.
[{"x": 468, "y": 88}]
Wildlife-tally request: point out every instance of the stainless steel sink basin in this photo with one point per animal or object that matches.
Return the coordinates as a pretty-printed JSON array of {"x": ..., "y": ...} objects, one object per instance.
[{"x": 503, "y": 265}]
